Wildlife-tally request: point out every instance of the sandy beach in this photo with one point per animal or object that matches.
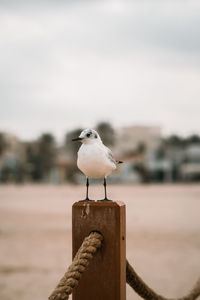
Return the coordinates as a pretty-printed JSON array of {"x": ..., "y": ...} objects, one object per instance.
[{"x": 163, "y": 236}]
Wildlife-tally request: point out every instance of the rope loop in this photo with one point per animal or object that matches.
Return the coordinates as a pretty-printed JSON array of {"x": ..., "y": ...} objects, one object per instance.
[
  {"x": 142, "y": 289},
  {"x": 81, "y": 260}
]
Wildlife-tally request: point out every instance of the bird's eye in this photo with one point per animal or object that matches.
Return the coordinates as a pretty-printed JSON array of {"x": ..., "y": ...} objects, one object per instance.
[{"x": 88, "y": 134}]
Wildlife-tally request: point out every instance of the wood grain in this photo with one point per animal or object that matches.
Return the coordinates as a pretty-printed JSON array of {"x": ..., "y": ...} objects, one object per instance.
[{"x": 105, "y": 278}]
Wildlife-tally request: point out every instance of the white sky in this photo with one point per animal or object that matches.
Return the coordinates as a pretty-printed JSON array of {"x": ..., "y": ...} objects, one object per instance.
[{"x": 66, "y": 64}]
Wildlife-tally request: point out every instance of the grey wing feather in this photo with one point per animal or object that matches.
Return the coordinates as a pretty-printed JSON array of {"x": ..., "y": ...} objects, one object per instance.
[{"x": 110, "y": 155}]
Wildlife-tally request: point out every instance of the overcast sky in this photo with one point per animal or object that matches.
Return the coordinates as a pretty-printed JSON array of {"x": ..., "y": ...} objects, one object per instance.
[{"x": 66, "y": 64}]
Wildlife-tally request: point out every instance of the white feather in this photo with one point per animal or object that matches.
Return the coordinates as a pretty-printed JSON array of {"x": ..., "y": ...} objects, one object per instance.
[{"x": 94, "y": 159}]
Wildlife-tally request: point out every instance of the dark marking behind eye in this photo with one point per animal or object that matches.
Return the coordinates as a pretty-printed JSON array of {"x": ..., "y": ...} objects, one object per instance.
[{"x": 95, "y": 136}]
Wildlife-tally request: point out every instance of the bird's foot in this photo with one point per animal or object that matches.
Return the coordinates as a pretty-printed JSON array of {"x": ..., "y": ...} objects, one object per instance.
[
  {"x": 104, "y": 200},
  {"x": 86, "y": 200}
]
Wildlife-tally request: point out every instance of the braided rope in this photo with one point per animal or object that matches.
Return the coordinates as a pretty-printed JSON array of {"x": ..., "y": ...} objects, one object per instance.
[
  {"x": 78, "y": 266},
  {"x": 147, "y": 293},
  {"x": 85, "y": 253}
]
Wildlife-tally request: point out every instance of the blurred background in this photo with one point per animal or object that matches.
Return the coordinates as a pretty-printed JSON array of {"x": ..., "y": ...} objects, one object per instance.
[
  {"x": 148, "y": 156},
  {"x": 130, "y": 70}
]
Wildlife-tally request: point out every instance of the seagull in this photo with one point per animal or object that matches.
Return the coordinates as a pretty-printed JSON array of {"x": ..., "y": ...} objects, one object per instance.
[{"x": 95, "y": 160}]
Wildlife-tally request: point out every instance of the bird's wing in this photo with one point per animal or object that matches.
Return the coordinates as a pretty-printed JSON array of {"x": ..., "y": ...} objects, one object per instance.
[{"x": 110, "y": 155}]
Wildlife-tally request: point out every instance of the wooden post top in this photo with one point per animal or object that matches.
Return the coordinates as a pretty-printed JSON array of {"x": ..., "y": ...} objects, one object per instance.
[{"x": 99, "y": 203}]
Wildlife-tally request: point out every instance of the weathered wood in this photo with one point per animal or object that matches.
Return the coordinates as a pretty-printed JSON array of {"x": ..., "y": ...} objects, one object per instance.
[{"x": 105, "y": 278}]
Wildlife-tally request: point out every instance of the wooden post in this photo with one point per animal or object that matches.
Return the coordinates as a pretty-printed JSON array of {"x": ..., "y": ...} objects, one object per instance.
[{"x": 105, "y": 277}]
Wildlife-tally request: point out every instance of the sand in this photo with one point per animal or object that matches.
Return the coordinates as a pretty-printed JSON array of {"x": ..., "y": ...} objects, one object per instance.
[{"x": 163, "y": 236}]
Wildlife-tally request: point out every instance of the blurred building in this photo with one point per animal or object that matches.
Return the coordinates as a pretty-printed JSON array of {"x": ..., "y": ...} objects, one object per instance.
[
  {"x": 190, "y": 168},
  {"x": 134, "y": 144},
  {"x": 146, "y": 155},
  {"x": 130, "y": 138},
  {"x": 12, "y": 159},
  {"x": 65, "y": 169}
]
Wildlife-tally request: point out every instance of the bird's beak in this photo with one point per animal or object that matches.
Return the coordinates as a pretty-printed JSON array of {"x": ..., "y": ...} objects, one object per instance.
[{"x": 77, "y": 139}]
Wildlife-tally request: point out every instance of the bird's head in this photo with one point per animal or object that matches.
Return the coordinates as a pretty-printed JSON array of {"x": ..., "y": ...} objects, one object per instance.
[{"x": 88, "y": 136}]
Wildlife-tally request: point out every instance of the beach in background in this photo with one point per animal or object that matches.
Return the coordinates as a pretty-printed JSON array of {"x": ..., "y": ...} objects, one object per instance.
[{"x": 163, "y": 236}]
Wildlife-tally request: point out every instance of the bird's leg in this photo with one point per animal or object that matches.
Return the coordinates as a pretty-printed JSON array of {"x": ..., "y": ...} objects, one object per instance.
[
  {"x": 105, "y": 185},
  {"x": 87, "y": 187},
  {"x": 105, "y": 188}
]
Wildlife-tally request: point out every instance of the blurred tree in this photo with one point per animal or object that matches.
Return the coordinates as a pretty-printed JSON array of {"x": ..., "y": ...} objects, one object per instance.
[
  {"x": 71, "y": 173},
  {"x": 178, "y": 141},
  {"x": 141, "y": 148},
  {"x": 5, "y": 174},
  {"x": 174, "y": 140},
  {"x": 72, "y": 147},
  {"x": 47, "y": 152},
  {"x": 41, "y": 156},
  {"x": 3, "y": 144},
  {"x": 33, "y": 162},
  {"x": 106, "y": 132},
  {"x": 160, "y": 152},
  {"x": 142, "y": 170},
  {"x": 193, "y": 139}
]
